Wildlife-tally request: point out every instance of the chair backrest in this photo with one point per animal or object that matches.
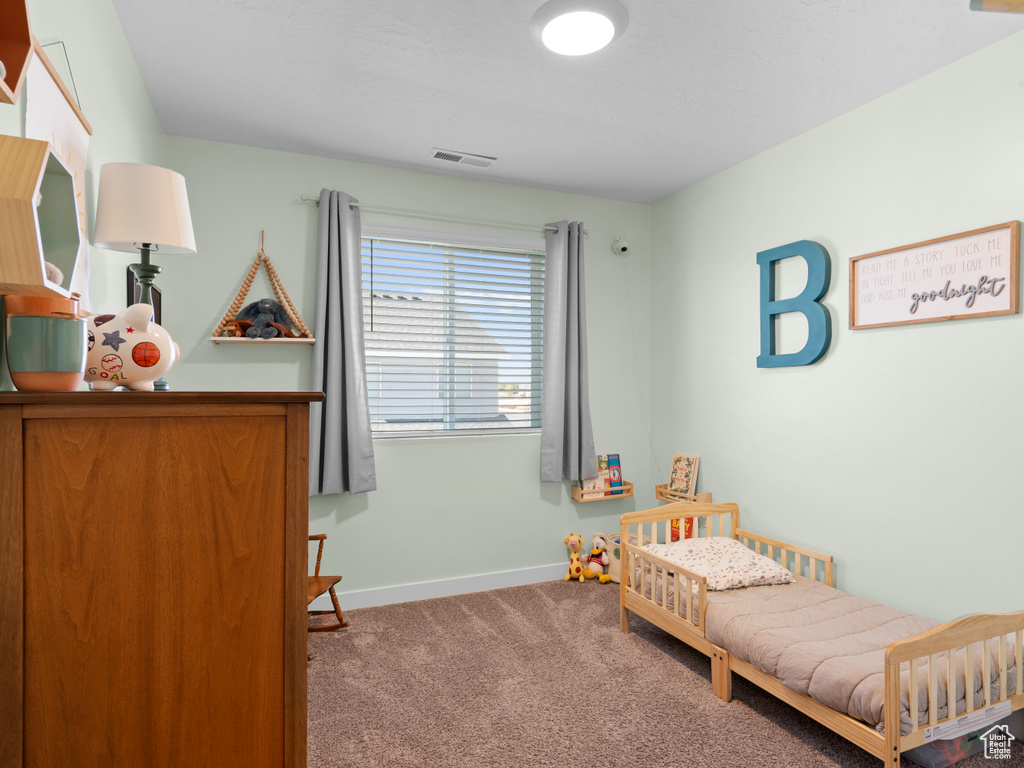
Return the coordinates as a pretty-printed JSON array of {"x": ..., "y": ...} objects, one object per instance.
[{"x": 321, "y": 537}]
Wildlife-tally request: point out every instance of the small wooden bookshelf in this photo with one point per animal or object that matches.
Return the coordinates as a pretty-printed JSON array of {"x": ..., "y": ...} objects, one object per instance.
[
  {"x": 627, "y": 491},
  {"x": 662, "y": 493}
]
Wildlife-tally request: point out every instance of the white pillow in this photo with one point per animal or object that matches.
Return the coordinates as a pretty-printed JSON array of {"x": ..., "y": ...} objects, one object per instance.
[{"x": 726, "y": 563}]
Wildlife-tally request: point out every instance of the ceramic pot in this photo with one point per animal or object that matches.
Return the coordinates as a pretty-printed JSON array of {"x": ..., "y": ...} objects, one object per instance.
[{"x": 46, "y": 343}]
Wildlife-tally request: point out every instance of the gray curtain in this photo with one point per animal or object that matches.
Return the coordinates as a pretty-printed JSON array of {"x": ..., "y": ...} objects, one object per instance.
[
  {"x": 567, "y": 435},
  {"x": 341, "y": 446}
]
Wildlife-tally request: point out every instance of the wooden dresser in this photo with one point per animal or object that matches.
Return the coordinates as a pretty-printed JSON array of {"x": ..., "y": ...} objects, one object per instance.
[{"x": 153, "y": 560}]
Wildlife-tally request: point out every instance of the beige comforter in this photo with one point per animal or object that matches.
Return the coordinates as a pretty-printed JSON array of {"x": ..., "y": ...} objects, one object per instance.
[{"x": 830, "y": 646}]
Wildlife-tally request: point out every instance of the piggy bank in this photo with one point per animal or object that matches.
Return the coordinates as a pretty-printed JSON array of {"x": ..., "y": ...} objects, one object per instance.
[{"x": 128, "y": 350}]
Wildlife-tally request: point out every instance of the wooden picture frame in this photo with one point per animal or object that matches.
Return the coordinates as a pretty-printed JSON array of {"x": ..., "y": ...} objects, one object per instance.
[
  {"x": 135, "y": 293},
  {"x": 683, "y": 476},
  {"x": 969, "y": 274}
]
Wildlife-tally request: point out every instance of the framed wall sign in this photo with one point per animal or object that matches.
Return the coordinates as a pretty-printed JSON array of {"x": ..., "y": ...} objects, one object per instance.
[{"x": 971, "y": 274}]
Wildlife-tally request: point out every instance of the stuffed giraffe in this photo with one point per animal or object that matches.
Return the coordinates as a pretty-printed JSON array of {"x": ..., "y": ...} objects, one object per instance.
[{"x": 574, "y": 541}]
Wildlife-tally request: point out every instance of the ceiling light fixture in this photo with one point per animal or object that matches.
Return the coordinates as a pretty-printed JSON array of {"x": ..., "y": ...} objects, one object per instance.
[{"x": 578, "y": 27}]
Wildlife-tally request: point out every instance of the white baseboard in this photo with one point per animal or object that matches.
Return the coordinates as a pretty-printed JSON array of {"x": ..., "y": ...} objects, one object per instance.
[{"x": 367, "y": 598}]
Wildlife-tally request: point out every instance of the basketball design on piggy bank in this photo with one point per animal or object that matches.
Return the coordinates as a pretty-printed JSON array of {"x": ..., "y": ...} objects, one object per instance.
[{"x": 128, "y": 350}]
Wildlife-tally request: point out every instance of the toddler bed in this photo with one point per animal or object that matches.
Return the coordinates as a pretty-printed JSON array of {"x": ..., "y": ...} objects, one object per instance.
[{"x": 858, "y": 667}]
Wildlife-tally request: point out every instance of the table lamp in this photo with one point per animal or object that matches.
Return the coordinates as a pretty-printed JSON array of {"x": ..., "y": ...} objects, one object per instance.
[{"x": 143, "y": 208}]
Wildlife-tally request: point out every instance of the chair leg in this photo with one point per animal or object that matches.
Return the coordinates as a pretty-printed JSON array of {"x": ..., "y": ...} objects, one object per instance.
[
  {"x": 341, "y": 623},
  {"x": 337, "y": 608}
]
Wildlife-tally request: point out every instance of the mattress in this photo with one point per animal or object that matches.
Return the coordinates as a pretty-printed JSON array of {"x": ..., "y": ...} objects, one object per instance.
[{"x": 829, "y": 645}]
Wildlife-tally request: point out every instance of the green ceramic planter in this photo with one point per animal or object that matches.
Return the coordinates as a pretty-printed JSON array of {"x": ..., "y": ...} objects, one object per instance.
[{"x": 45, "y": 352}]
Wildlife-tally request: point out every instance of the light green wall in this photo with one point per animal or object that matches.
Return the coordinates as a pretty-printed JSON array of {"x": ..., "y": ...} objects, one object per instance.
[
  {"x": 446, "y": 507},
  {"x": 899, "y": 451}
]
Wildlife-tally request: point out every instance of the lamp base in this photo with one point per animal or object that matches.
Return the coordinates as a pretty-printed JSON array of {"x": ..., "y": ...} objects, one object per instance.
[{"x": 145, "y": 273}]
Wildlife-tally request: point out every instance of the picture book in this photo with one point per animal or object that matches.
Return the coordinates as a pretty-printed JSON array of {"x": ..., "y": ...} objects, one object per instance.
[
  {"x": 603, "y": 474},
  {"x": 614, "y": 473},
  {"x": 683, "y": 477},
  {"x": 593, "y": 484},
  {"x": 687, "y": 529}
]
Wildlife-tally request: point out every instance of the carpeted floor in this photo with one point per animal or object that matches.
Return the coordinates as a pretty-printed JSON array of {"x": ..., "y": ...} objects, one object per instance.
[{"x": 540, "y": 676}]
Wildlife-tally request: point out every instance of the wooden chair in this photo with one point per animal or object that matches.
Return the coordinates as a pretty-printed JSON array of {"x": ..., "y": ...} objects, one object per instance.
[{"x": 317, "y": 585}]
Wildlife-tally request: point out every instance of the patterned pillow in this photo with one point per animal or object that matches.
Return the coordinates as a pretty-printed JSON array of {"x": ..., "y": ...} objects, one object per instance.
[{"x": 726, "y": 563}]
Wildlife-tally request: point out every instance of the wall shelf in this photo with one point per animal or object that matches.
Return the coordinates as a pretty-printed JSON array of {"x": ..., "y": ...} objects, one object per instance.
[
  {"x": 229, "y": 325},
  {"x": 627, "y": 491},
  {"x": 662, "y": 493},
  {"x": 15, "y": 48},
  {"x": 38, "y": 218},
  {"x": 247, "y": 340}
]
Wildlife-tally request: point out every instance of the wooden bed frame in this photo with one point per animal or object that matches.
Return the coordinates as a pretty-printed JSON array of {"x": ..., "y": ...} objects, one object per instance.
[{"x": 685, "y": 621}]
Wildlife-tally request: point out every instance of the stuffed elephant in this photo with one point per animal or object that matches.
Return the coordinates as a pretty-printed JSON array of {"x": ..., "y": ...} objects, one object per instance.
[{"x": 261, "y": 314}]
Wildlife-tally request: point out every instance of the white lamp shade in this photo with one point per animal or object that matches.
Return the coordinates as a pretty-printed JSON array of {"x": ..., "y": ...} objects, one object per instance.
[{"x": 143, "y": 204}]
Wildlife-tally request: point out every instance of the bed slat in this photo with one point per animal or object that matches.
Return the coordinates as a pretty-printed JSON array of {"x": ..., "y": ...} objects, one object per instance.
[
  {"x": 643, "y": 578},
  {"x": 914, "y": 712},
  {"x": 969, "y": 675},
  {"x": 664, "y": 588},
  {"x": 1002, "y": 667},
  {"x": 950, "y": 683},
  {"x": 687, "y": 598},
  {"x": 679, "y": 597},
  {"x": 933, "y": 689},
  {"x": 987, "y": 676},
  {"x": 1020, "y": 661}
]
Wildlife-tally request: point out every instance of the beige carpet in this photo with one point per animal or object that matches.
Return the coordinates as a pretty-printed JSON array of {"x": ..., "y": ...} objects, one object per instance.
[{"x": 541, "y": 676}]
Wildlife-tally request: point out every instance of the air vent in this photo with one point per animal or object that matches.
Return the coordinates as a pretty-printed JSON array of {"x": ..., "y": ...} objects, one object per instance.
[{"x": 463, "y": 158}]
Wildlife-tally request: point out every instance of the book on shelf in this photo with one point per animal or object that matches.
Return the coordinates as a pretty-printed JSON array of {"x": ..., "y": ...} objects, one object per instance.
[
  {"x": 683, "y": 479},
  {"x": 603, "y": 474},
  {"x": 687, "y": 528},
  {"x": 614, "y": 473},
  {"x": 592, "y": 488}
]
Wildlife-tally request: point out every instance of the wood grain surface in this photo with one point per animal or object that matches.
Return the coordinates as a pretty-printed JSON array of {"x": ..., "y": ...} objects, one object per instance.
[
  {"x": 11, "y": 588},
  {"x": 155, "y": 580}
]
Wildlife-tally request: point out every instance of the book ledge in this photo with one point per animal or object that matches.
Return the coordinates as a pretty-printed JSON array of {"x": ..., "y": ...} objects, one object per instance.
[
  {"x": 602, "y": 494},
  {"x": 662, "y": 493}
]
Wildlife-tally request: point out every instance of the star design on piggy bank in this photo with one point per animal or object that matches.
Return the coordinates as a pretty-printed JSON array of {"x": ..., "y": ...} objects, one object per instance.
[{"x": 114, "y": 340}]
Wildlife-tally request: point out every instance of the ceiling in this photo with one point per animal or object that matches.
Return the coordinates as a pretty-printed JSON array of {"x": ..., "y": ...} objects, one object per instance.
[{"x": 689, "y": 89}]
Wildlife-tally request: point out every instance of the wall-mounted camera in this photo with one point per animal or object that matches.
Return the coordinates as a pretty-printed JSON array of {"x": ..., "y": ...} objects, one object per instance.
[{"x": 620, "y": 246}]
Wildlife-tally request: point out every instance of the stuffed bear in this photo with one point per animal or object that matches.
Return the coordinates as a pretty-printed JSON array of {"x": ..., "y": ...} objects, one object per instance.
[
  {"x": 53, "y": 274},
  {"x": 262, "y": 313},
  {"x": 597, "y": 560}
]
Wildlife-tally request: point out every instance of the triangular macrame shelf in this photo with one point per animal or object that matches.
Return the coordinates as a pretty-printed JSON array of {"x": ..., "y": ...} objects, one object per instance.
[{"x": 225, "y": 334}]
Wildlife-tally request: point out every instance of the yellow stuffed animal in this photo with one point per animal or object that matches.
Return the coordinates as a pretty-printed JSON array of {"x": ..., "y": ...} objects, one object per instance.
[
  {"x": 574, "y": 541},
  {"x": 598, "y": 560}
]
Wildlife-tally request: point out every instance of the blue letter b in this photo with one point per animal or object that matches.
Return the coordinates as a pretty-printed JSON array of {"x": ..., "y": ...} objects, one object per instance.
[{"x": 819, "y": 322}]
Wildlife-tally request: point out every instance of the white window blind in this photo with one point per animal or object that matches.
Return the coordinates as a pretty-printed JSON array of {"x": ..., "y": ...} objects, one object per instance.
[{"x": 453, "y": 337}]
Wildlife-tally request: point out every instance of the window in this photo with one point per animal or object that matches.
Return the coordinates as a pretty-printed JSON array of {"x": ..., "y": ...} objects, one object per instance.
[{"x": 453, "y": 336}]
